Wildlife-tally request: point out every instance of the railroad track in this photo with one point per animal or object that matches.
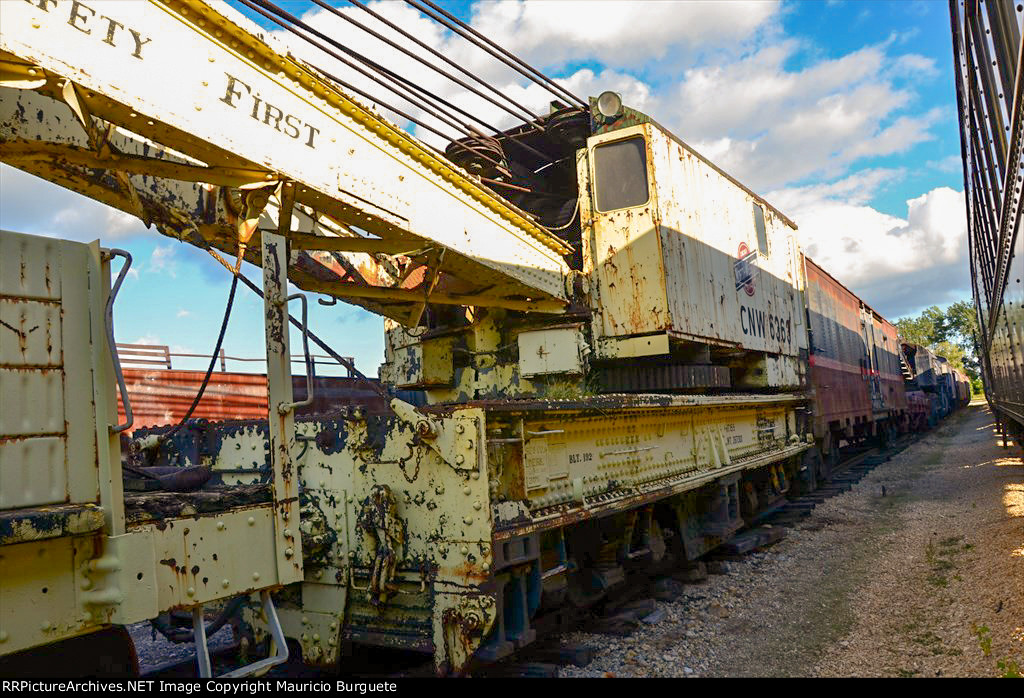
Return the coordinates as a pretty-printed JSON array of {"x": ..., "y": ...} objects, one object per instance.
[{"x": 620, "y": 613}]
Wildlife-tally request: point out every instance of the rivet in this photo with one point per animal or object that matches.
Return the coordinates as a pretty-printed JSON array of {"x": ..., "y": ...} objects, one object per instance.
[
  {"x": 255, "y": 576},
  {"x": 352, "y": 554},
  {"x": 252, "y": 521},
  {"x": 465, "y": 550},
  {"x": 459, "y": 429},
  {"x": 225, "y": 583},
  {"x": 460, "y": 459},
  {"x": 331, "y": 641},
  {"x": 190, "y": 591},
  {"x": 220, "y": 525},
  {"x": 334, "y": 626},
  {"x": 476, "y": 505},
  {"x": 316, "y": 637},
  {"x": 305, "y": 621},
  {"x": 468, "y": 520},
  {"x": 467, "y": 490},
  {"x": 3, "y": 636},
  {"x": 288, "y": 552},
  {"x": 475, "y": 475},
  {"x": 287, "y": 533},
  {"x": 319, "y": 574},
  {"x": 86, "y": 583},
  {"x": 45, "y": 625}
]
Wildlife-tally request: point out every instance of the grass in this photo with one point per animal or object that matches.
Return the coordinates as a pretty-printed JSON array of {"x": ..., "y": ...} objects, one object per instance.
[
  {"x": 1009, "y": 669},
  {"x": 984, "y": 638},
  {"x": 939, "y": 557}
]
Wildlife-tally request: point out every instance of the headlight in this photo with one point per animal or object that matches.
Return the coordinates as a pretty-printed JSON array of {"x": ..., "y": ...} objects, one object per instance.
[{"x": 609, "y": 104}]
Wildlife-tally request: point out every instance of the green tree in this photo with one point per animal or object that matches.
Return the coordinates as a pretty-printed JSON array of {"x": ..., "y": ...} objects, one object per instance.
[
  {"x": 953, "y": 353},
  {"x": 926, "y": 329}
]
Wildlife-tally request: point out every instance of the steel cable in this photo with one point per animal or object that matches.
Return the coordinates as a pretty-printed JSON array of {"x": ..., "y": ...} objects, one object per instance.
[
  {"x": 481, "y": 41},
  {"x": 213, "y": 359}
]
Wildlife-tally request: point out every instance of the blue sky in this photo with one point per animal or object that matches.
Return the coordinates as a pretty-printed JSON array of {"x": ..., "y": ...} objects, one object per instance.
[{"x": 842, "y": 113}]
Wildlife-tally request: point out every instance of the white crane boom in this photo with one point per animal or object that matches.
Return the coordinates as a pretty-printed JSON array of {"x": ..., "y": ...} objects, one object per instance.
[{"x": 189, "y": 115}]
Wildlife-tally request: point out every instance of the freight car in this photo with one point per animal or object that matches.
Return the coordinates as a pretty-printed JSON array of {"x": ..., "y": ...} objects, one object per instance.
[
  {"x": 857, "y": 386},
  {"x": 618, "y": 394}
]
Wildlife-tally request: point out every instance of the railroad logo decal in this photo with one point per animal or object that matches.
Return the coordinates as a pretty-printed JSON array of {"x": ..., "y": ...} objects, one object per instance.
[{"x": 745, "y": 269}]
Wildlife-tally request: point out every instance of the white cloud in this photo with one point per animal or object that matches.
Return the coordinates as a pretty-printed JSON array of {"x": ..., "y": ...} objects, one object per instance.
[
  {"x": 162, "y": 260},
  {"x": 895, "y": 264},
  {"x": 739, "y": 98},
  {"x": 182, "y": 313},
  {"x": 33, "y": 205},
  {"x": 784, "y": 126},
  {"x": 623, "y": 33},
  {"x": 149, "y": 340}
]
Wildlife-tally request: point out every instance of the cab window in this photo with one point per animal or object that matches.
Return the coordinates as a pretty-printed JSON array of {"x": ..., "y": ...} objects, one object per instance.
[{"x": 620, "y": 171}]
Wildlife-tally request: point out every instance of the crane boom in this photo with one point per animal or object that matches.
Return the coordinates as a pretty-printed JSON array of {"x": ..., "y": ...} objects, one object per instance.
[{"x": 187, "y": 114}]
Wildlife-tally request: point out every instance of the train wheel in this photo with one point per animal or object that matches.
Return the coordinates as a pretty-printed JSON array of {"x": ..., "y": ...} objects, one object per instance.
[{"x": 107, "y": 653}]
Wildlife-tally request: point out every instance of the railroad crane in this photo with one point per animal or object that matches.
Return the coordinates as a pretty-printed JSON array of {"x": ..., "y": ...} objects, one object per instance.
[{"x": 608, "y": 332}]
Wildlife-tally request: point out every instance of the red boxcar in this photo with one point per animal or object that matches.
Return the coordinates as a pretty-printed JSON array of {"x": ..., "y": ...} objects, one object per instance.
[
  {"x": 162, "y": 396},
  {"x": 856, "y": 376}
]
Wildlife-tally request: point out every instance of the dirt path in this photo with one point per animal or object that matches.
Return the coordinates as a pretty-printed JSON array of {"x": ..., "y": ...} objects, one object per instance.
[
  {"x": 945, "y": 591},
  {"x": 917, "y": 571}
]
